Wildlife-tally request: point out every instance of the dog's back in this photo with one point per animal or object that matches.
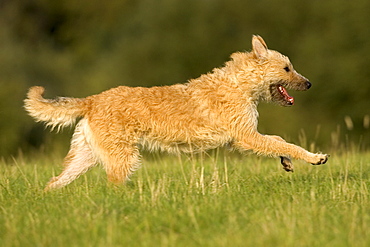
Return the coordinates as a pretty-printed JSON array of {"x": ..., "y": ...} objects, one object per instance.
[{"x": 171, "y": 118}]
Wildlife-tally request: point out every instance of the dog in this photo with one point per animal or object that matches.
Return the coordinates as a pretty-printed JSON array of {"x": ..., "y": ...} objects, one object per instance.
[{"x": 216, "y": 109}]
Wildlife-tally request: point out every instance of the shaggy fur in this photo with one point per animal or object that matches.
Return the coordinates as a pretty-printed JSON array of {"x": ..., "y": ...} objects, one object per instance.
[{"x": 216, "y": 109}]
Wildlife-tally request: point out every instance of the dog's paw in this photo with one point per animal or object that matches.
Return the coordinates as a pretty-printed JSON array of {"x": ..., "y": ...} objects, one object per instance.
[
  {"x": 320, "y": 159},
  {"x": 287, "y": 164}
]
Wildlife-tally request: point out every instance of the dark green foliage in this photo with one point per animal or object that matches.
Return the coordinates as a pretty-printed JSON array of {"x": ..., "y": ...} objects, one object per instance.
[{"x": 78, "y": 48}]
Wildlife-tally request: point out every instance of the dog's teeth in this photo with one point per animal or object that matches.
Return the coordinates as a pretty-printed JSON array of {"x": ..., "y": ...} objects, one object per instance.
[{"x": 285, "y": 94}]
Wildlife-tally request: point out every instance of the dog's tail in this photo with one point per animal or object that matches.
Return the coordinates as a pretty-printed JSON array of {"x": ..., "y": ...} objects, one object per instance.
[{"x": 59, "y": 112}]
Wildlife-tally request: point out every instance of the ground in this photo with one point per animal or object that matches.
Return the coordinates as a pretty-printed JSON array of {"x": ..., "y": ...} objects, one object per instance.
[{"x": 217, "y": 199}]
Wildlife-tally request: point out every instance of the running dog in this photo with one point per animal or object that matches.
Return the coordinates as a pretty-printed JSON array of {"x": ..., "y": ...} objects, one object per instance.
[{"x": 216, "y": 109}]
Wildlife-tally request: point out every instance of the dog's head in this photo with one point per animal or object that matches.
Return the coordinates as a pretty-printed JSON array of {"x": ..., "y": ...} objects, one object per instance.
[{"x": 276, "y": 74}]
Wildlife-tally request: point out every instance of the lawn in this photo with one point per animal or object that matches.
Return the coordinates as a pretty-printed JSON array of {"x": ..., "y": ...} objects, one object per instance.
[{"x": 217, "y": 199}]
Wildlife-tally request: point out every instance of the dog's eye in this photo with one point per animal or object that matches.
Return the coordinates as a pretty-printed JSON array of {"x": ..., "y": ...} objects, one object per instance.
[{"x": 287, "y": 69}]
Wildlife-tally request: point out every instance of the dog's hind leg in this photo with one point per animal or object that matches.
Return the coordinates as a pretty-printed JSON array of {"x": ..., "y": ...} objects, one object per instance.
[
  {"x": 119, "y": 158},
  {"x": 78, "y": 160},
  {"x": 121, "y": 164}
]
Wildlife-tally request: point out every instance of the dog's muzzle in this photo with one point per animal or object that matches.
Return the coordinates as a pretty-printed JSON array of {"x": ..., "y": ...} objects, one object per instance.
[{"x": 308, "y": 84}]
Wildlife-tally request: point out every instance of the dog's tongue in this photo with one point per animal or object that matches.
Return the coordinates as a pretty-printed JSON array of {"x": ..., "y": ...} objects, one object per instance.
[{"x": 287, "y": 97}]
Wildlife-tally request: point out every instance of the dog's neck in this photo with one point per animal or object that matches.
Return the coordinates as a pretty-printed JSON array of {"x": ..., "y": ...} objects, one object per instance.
[
  {"x": 221, "y": 89},
  {"x": 238, "y": 77}
]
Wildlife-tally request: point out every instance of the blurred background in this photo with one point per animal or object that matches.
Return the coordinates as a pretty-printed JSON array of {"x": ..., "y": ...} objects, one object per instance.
[{"x": 78, "y": 48}]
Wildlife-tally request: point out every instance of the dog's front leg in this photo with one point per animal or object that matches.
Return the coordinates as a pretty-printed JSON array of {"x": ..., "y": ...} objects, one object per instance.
[
  {"x": 273, "y": 146},
  {"x": 285, "y": 161},
  {"x": 287, "y": 164}
]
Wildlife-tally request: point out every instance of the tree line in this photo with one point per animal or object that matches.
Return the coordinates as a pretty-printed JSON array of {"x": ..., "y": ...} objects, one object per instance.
[{"x": 78, "y": 48}]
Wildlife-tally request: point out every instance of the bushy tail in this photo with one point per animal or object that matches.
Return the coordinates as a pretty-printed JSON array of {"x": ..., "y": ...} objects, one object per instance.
[{"x": 59, "y": 112}]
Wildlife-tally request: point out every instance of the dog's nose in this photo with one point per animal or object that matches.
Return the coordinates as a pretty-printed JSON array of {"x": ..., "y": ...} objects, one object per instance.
[{"x": 308, "y": 84}]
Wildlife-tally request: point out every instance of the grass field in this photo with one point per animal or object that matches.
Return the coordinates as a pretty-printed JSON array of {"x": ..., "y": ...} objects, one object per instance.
[{"x": 220, "y": 199}]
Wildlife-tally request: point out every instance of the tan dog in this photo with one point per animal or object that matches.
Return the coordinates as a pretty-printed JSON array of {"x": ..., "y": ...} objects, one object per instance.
[{"x": 213, "y": 110}]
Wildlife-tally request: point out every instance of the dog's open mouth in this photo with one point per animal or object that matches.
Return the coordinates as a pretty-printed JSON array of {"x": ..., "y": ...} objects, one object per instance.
[{"x": 288, "y": 100}]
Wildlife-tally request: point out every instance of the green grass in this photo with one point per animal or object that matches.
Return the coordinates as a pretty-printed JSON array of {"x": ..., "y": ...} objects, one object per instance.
[{"x": 218, "y": 200}]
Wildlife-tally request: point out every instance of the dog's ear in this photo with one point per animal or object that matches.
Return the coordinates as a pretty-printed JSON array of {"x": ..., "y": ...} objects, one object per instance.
[{"x": 259, "y": 46}]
